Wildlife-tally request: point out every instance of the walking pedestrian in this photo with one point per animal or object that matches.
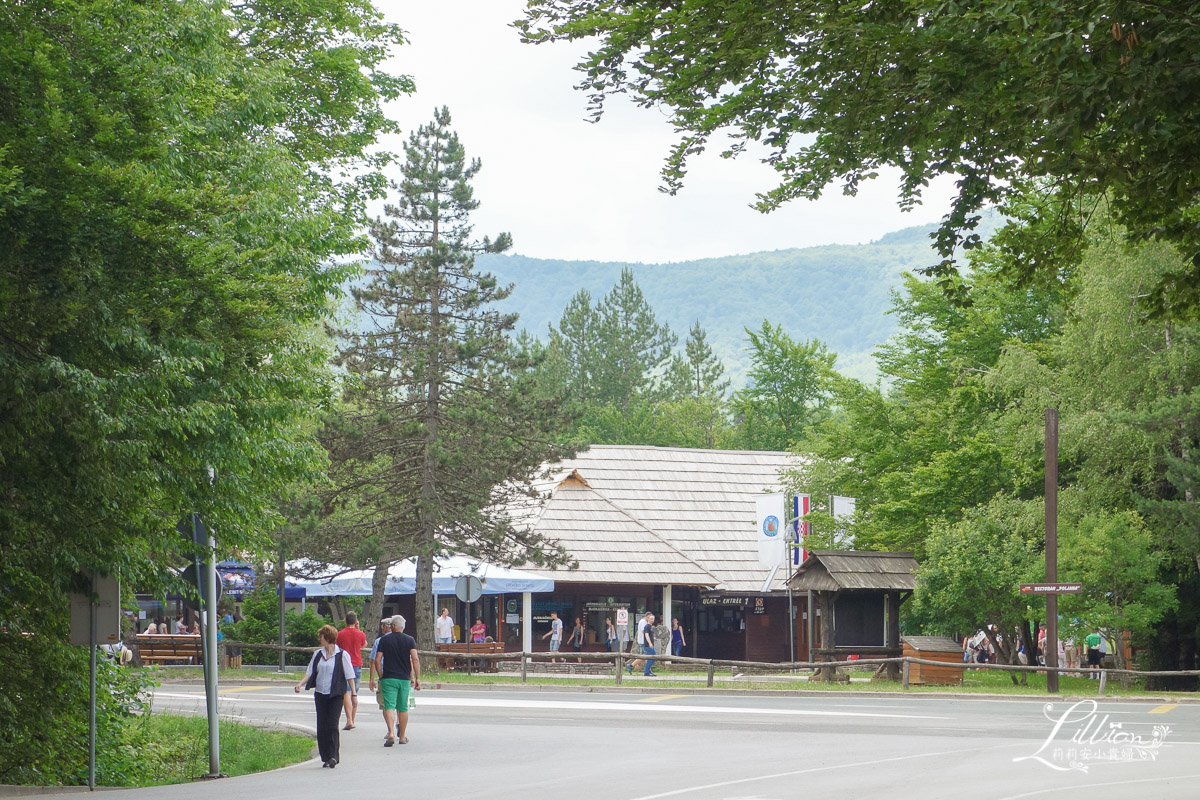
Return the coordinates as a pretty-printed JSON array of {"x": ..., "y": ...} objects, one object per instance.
[
  {"x": 610, "y": 635},
  {"x": 385, "y": 627},
  {"x": 645, "y": 640},
  {"x": 352, "y": 640},
  {"x": 445, "y": 628},
  {"x": 330, "y": 674},
  {"x": 678, "y": 642},
  {"x": 554, "y": 634},
  {"x": 397, "y": 661},
  {"x": 577, "y": 639},
  {"x": 1093, "y": 641}
]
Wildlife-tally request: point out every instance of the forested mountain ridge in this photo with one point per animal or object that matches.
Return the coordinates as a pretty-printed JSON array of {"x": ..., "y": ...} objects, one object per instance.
[{"x": 839, "y": 294}]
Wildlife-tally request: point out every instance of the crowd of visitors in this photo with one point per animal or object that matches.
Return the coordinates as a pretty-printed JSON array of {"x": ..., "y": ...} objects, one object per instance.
[{"x": 980, "y": 648}]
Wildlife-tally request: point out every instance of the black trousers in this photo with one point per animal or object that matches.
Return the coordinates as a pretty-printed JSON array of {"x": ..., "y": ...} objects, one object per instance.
[{"x": 329, "y": 717}]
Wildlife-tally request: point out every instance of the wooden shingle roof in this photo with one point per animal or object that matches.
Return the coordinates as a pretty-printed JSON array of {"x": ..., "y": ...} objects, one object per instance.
[
  {"x": 700, "y": 504},
  {"x": 835, "y": 570}
]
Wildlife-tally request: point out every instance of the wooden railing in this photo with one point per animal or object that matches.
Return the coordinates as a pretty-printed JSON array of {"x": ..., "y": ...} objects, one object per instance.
[{"x": 712, "y": 665}]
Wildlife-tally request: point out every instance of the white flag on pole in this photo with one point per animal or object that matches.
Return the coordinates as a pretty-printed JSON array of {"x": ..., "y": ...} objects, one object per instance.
[{"x": 772, "y": 544}]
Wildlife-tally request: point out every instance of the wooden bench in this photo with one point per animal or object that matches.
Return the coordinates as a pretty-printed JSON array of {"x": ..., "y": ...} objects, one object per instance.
[
  {"x": 485, "y": 665},
  {"x": 167, "y": 648}
]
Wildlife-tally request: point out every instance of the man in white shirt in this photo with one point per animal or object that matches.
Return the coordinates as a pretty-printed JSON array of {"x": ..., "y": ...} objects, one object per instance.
[
  {"x": 445, "y": 627},
  {"x": 555, "y": 633},
  {"x": 646, "y": 642}
]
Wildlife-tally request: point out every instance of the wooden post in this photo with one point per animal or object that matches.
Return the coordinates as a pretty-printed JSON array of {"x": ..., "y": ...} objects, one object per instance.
[
  {"x": 827, "y": 601},
  {"x": 893, "y": 633},
  {"x": 712, "y": 668},
  {"x": 1051, "y": 649},
  {"x": 1103, "y": 680},
  {"x": 904, "y": 675},
  {"x": 620, "y": 662},
  {"x": 524, "y": 662}
]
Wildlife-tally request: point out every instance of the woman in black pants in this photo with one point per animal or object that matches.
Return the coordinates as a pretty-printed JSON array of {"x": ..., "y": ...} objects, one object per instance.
[{"x": 331, "y": 675}]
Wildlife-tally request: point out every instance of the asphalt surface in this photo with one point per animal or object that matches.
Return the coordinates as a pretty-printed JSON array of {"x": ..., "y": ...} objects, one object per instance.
[{"x": 630, "y": 745}]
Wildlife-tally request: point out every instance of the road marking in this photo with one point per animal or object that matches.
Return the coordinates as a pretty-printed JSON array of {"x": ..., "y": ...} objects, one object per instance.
[
  {"x": 590, "y": 708},
  {"x": 1161, "y": 709},
  {"x": 1091, "y": 787},
  {"x": 811, "y": 770},
  {"x": 247, "y": 689},
  {"x": 659, "y": 698}
]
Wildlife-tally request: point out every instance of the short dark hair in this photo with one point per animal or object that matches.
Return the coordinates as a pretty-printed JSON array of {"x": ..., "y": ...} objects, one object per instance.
[{"x": 351, "y": 618}]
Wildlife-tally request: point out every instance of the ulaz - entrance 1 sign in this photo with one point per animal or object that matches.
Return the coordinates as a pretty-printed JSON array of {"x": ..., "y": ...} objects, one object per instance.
[{"x": 725, "y": 600}]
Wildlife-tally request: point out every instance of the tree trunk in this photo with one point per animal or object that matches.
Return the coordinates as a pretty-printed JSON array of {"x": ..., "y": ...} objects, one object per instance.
[
  {"x": 373, "y": 611},
  {"x": 421, "y": 628}
]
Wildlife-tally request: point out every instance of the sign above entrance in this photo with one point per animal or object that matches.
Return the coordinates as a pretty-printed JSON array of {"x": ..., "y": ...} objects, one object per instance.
[{"x": 736, "y": 601}]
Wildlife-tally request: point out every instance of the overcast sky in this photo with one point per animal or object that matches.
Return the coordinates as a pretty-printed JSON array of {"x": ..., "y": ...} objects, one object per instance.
[{"x": 566, "y": 188}]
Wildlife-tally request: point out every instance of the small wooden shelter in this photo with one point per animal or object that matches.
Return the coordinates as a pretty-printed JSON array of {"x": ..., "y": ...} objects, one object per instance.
[
  {"x": 858, "y": 597},
  {"x": 934, "y": 648}
]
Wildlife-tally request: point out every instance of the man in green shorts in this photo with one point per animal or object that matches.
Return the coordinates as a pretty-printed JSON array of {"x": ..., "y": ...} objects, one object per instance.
[{"x": 397, "y": 663}]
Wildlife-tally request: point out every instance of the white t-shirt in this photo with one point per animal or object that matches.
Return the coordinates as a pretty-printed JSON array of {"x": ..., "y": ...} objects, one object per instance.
[
  {"x": 445, "y": 627},
  {"x": 641, "y": 631},
  {"x": 556, "y": 629}
]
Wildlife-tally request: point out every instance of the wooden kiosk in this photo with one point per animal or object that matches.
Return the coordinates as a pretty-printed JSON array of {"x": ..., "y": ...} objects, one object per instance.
[{"x": 857, "y": 598}]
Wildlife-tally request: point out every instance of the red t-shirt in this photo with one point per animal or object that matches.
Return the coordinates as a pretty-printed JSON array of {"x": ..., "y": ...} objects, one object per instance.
[{"x": 352, "y": 640}]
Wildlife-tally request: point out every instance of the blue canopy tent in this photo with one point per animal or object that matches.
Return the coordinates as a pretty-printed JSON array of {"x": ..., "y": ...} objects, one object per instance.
[{"x": 237, "y": 579}]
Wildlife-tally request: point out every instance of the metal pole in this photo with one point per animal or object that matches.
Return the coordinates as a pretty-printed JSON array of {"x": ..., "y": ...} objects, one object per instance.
[
  {"x": 282, "y": 608},
  {"x": 1052, "y": 547},
  {"x": 92, "y": 690},
  {"x": 210, "y": 658},
  {"x": 791, "y": 625}
]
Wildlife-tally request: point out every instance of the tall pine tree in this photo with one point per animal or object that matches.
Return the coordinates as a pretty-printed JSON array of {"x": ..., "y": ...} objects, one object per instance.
[
  {"x": 698, "y": 373},
  {"x": 634, "y": 347},
  {"x": 450, "y": 416}
]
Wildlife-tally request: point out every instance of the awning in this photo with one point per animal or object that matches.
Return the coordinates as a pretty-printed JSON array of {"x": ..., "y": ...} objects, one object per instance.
[{"x": 402, "y": 578}]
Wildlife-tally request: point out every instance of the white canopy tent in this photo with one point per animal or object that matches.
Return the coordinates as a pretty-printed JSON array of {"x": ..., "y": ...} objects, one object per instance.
[{"x": 402, "y": 578}]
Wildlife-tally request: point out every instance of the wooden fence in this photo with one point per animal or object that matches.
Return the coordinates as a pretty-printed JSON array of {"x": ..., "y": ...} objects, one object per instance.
[{"x": 712, "y": 665}]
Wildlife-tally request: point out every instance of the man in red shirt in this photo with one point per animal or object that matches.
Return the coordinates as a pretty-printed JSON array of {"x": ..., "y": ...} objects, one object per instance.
[{"x": 352, "y": 640}]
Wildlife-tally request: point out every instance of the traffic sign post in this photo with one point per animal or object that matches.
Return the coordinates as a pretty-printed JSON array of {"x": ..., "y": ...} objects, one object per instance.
[{"x": 468, "y": 589}]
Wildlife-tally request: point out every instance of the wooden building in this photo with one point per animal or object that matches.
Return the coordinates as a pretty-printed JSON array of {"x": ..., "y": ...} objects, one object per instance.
[
  {"x": 858, "y": 597},
  {"x": 666, "y": 530}
]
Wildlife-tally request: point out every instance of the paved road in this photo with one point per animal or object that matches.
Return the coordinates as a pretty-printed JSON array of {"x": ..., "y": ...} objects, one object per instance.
[{"x": 629, "y": 746}]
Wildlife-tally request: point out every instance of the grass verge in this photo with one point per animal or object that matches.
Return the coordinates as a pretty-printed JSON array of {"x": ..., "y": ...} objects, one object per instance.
[{"x": 174, "y": 749}]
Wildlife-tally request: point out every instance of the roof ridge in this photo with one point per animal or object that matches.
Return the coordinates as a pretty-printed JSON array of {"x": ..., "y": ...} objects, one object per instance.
[{"x": 685, "y": 449}]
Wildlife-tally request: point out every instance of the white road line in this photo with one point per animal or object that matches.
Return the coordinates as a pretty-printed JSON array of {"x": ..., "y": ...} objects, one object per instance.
[
  {"x": 810, "y": 771},
  {"x": 1090, "y": 787},
  {"x": 568, "y": 705}
]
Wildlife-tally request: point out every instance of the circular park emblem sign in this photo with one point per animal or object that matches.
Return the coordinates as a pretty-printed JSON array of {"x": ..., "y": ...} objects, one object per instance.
[{"x": 771, "y": 525}]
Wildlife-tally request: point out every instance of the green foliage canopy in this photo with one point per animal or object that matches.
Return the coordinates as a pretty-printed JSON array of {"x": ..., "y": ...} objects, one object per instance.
[{"x": 176, "y": 180}]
